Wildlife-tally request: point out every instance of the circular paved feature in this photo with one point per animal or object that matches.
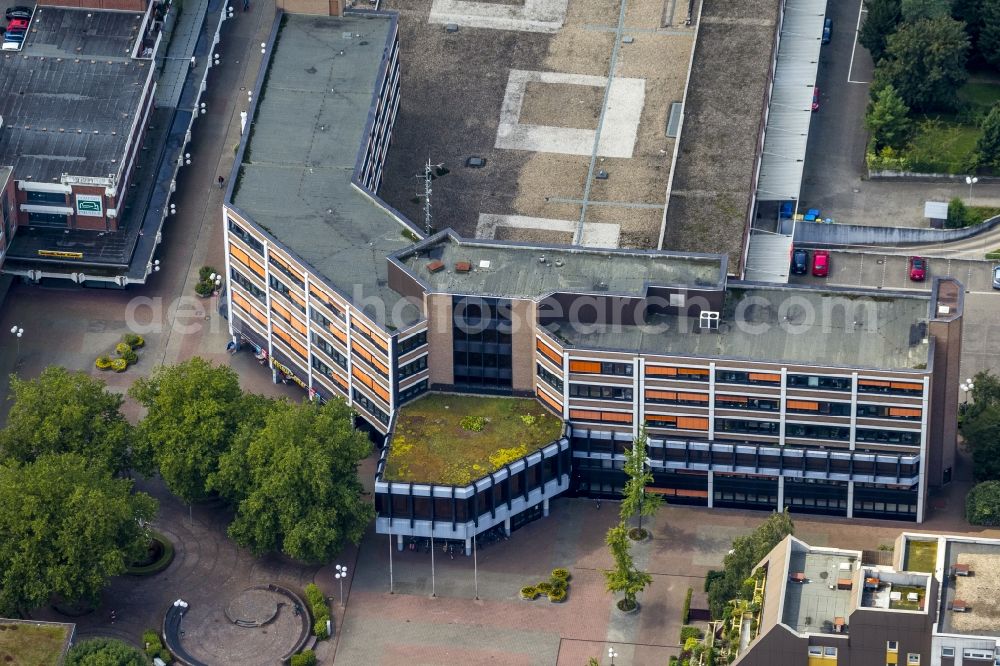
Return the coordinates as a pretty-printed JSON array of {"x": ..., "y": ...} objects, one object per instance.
[{"x": 253, "y": 608}]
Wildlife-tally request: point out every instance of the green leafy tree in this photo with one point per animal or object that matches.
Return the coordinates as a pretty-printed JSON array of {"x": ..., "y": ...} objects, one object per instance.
[
  {"x": 982, "y": 19},
  {"x": 982, "y": 436},
  {"x": 739, "y": 563},
  {"x": 982, "y": 504},
  {"x": 63, "y": 412},
  {"x": 881, "y": 21},
  {"x": 294, "y": 482},
  {"x": 888, "y": 119},
  {"x": 105, "y": 652},
  {"x": 958, "y": 214},
  {"x": 67, "y": 526},
  {"x": 635, "y": 501},
  {"x": 925, "y": 61},
  {"x": 193, "y": 411},
  {"x": 624, "y": 578},
  {"x": 914, "y": 10},
  {"x": 985, "y": 391},
  {"x": 988, "y": 145}
]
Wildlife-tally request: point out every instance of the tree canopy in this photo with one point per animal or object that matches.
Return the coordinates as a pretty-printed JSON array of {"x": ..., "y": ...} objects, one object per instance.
[
  {"x": 635, "y": 500},
  {"x": 68, "y": 412},
  {"x": 739, "y": 563},
  {"x": 67, "y": 526},
  {"x": 888, "y": 119},
  {"x": 985, "y": 32},
  {"x": 624, "y": 577},
  {"x": 982, "y": 504},
  {"x": 925, "y": 62},
  {"x": 193, "y": 411},
  {"x": 914, "y": 10},
  {"x": 105, "y": 652},
  {"x": 294, "y": 481},
  {"x": 881, "y": 21},
  {"x": 988, "y": 145}
]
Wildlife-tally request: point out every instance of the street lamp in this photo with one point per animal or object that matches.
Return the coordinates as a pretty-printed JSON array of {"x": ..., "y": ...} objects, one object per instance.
[
  {"x": 17, "y": 332},
  {"x": 612, "y": 654},
  {"x": 340, "y": 576},
  {"x": 970, "y": 181},
  {"x": 967, "y": 387}
]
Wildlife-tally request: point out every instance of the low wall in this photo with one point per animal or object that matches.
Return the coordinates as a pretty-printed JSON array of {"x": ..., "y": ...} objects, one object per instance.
[
  {"x": 836, "y": 235},
  {"x": 917, "y": 177}
]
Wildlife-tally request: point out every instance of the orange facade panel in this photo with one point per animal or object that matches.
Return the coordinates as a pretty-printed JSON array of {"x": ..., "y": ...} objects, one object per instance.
[
  {"x": 693, "y": 397},
  {"x": 764, "y": 377},
  {"x": 908, "y": 386},
  {"x": 692, "y": 423},
  {"x": 900, "y": 411},
  {"x": 586, "y": 367},
  {"x": 286, "y": 337},
  {"x": 366, "y": 355},
  {"x": 551, "y": 353},
  {"x": 276, "y": 258},
  {"x": 246, "y": 260},
  {"x": 661, "y": 395},
  {"x": 660, "y": 371},
  {"x": 370, "y": 382},
  {"x": 548, "y": 400},
  {"x": 807, "y": 405},
  {"x": 244, "y": 303}
]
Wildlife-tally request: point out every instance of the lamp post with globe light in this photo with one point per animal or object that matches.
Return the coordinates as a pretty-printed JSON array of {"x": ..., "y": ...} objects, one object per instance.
[
  {"x": 612, "y": 654},
  {"x": 17, "y": 332},
  {"x": 340, "y": 576},
  {"x": 967, "y": 387},
  {"x": 970, "y": 181}
]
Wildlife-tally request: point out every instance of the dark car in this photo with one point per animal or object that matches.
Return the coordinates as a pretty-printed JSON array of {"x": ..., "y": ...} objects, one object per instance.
[
  {"x": 800, "y": 261},
  {"x": 827, "y": 30},
  {"x": 815, "y": 106},
  {"x": 18, "y": 12},
  {"x": 15, "y": 36},
  {"x": 821, "y": 263},
  {"x": 918, "y": 269},
  {"x": 996, "y": 277}
]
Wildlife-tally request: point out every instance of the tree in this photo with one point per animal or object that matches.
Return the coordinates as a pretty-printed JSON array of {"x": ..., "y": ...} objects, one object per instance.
[
  {"x": 925, "y": 61},
  {"x": 982, "y": 504},
  {"x": 958, "y": 214},
  {"x": 294, "y": 482},
  {"x": 624, "y": 578},
  {"x": 63, "y": 411},
  {"x": 914, "y": 10},
  {"x": 105, "y": 652},
  {"x": 67, "y": 526},
  {"x": 985, "y": 391},
  {"x": 888, "y": 119},
  {"x": 747, "y": 551},
  {"x": 982, "y": 435},
  {"x": 193, "y": 411},
  {"x": 984, "y": 30},
  {"x": 635, "y": 500},
  {"x": 988, "y": 145},
  {"x": 882, "y": 19}
]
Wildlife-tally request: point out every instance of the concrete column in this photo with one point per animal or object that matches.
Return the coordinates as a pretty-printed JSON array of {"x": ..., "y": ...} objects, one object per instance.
[
  {"x": 506, "y": 525},
  {"x": 468, "y": 546},
  {"x": 850, "y": 499},
  {"x": 781, "y": 493},
  {"x": 274, "y": 374},
  {"x": 545, "y": 508},
  {"x": 711, "y": 489},
  {"x": 399, "y": 542}
]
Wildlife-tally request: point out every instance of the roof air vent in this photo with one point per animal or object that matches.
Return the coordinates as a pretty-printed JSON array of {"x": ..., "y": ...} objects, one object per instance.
[
  {"x": 708, "y": 320},
  {"x": 435, "y": 266},
  {"x": 463, "y": 266}
]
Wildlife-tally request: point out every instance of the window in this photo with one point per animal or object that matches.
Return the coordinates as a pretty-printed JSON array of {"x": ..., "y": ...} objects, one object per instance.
[
  {"x": 285, "y": 269},
  {"x": 684, "y": 374},
  {"x": 413, "y": 367},
  {"x": 677, "y": 398},
  {"x": 810, "y": 431},
  {"x": 599, "y": 368},
  {"x": 324, "y": 300},
  {"x": 411, "y": 343},
  {"x": 820, "y": 382},
  {"x": 549, "y": 378},
  {"x": 330, "y": 350},
  {"x": 889, "y": 387},
  {"x": 249, "y": 286},
  {"x": 370, "y": 360},
  {"x": 743, "y": 402},
  {"x": 829, "y": 652},
  {"x": 245, "y": 236},
  {"x": 947, "y": 651},
  {"x": 46, "y": 197},
  {"x": 890, "y": 412},
  {"x": 741, "y": 377},
  {"x": 913, "y": 658},
  {"x": 281, "y": 288},
  {"x": 369, "y": 406},
  {"x": 892, "y": 646},
  {"x": 47, "y": 220},
  {"x": 413, "y": 391},
  {"x": 749, "y": 427},
  {"x": 911, "y": 438},
  {"x": 815, "y": 651},
  {"x": 622, "y": 393}
]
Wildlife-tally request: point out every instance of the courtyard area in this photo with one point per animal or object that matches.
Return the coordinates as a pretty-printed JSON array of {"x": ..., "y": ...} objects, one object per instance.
[{"x": 453, "y": 439}]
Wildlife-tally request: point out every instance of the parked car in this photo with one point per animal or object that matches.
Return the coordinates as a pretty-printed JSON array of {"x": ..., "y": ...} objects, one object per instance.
[
  {"x": 815, "y": 106},
  {"x": 11, "y": 45},
  {"x": 821, "y": 263},
  {"x": 827, "y": 30},
  {"x": 19, "y": 12},
  {"x": 918, "y": 269},
  {"x": 15, "y": 36},
  {"x": 996, "y": 277},
  {"x": 800, "y": 261},
  {"x": 18, "y": 24}
]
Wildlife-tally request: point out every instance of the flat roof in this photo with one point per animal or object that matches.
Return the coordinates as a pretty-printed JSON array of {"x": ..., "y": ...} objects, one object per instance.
[
  {"x": 69, "y": 98},
  {"x": 811, "y": 606},
  {"x": 525, "y": 271},
  {"x": 838, "y": 328},
  {"x": 723, "y": 107},
  {"x": 295, "y": 177},
  {"x": 978, "y": 589}
]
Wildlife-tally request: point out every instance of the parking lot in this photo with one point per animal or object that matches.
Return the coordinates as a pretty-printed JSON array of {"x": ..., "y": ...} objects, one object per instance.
[{"x": 891, "y": 271}]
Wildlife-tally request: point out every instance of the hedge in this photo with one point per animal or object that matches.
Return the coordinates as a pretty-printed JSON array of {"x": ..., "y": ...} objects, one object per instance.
[
  {"x": 688, "y": 631},
  {"x": 304, "y": 658},
  {"x": 685, "y": 614}
]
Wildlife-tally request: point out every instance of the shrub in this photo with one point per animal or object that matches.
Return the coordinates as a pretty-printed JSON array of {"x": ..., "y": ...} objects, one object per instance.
[
  {"x": 133, "y": 340},
  {"x": 673, "y": 660},
  {"x": 103, "y": 362},
  {"x": 686, "y": 612},
  {"x": 688, "y": 631},
  {"x": 473, "y": 423},
  {"x": 529, "y": 592},
  {"x": 319, "y": 628},
  {"x": 304, "y": 658},
  {"x": 558, "y": 584},
  {"x": 130, "y": 356},
  {"x": 958, "y": 214},
  {"x": 562, "y": 574},
  {"x": 713, "y": 575},
  {"x": 152, "y": 642},
  {"x": 544, "y": 587},
  {"x": 165, "y": 656},
  {"x": 119, "y": 364},
  {"x": 204, "y": 288},
  {"x": 982, "y": 504},
  {"x": 122, "y": 348},
  {"x": 314, "y": 595},
  {"x": 204, "y": 272},
  {"x": 557, "y": 596}
]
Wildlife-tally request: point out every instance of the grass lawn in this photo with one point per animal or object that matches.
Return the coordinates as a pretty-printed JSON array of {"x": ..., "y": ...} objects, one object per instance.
[
  {"x": 942, "y": 146},
  {"x": 981, "y": 94},
  {"x": 903, "y": 604},
  {"x": 920, "y": 556},
  {"x": 30, "y": 644},
  {"x": 454, "y": 439}
]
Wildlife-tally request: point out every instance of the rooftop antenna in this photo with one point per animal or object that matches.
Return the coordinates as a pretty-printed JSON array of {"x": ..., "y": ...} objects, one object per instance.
[{"x": 428, "y": 176}]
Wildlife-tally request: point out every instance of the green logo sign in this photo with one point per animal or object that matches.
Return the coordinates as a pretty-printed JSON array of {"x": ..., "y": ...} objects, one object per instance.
[
  {"x": 92, "y": 206},
  {"x": 89, "y": 205}
]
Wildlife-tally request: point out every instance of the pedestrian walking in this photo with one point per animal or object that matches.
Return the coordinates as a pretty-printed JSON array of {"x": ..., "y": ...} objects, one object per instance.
[
  {"x": 246, "y": 5},
  {"x": 221, "y": 182}
]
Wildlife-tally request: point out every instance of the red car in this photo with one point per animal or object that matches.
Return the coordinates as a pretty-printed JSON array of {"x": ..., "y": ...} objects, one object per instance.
[
  {"x": 918, "y": 269},
  {"x": 815, "y": 106},
  {"x": 17, "y": 24},
  {"x": 821, "y": 263}
]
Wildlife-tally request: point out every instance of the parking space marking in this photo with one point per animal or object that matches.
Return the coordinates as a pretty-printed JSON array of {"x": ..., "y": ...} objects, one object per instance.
[
  {"x": 885, "y": 263},
  {"x": 854, "y": 49},
  {"x": 861, "y": 270}
]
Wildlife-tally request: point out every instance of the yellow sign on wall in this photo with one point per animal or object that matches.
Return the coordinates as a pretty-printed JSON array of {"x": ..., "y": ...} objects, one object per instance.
[{"x": 60, "y": 254}]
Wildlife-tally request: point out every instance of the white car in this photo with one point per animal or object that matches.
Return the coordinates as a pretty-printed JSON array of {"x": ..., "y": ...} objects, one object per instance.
[
  {"x": 996, "y": 277},
  {"x": 11, "y": 45}
]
